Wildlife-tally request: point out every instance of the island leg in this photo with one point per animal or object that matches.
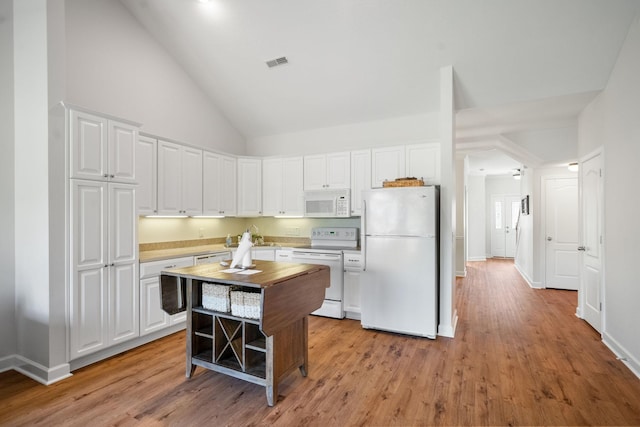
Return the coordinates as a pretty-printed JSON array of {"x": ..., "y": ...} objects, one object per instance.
[
  {"x": 190, "y": 367},
  {"x": 305, "y": 345},
  {"x": 272, "y": 382}
]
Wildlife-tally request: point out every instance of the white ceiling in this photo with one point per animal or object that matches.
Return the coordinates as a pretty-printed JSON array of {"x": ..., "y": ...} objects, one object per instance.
[{"x": 519, "y": 64}]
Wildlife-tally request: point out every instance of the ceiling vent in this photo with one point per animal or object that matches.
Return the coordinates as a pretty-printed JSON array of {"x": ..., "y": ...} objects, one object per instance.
[{"x": 278, "y": 61}]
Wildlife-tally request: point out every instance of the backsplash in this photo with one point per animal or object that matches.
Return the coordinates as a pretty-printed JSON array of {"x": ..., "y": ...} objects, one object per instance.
[{"x": 156, "y": 230}]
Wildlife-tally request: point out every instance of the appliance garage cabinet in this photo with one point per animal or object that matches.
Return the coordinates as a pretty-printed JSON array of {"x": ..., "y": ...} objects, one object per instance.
[
  {"x": 252, "y": 327},
  {"x": 103, "y": 306}
]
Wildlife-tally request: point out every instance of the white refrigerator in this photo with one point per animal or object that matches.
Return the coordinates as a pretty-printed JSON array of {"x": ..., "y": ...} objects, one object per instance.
[{"x": 399, "y": 238}]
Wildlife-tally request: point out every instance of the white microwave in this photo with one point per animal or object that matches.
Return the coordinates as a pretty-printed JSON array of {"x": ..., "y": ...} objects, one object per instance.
[{"x": 327, "y": 203}]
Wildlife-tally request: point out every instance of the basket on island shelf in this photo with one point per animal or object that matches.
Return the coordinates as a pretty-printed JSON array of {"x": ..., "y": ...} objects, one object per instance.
[
  {"x": 404, "y": 182},
  {"x": 245, "y": 304},
  {"x": 216, "y": 297}
]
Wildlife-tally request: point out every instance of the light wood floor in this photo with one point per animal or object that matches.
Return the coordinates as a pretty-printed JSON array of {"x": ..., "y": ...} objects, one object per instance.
[{"x": 520, "y": 357}]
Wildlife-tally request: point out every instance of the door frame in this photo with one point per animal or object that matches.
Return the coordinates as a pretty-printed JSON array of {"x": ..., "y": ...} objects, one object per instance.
[
  {"x": 581, "y": 295},
  {"x": 542, "y": 251}
]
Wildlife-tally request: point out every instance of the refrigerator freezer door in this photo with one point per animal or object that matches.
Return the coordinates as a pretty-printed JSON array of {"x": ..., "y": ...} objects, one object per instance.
[
  {"x": 409, "y": 211},
  {"x": 399, "y": 287}
]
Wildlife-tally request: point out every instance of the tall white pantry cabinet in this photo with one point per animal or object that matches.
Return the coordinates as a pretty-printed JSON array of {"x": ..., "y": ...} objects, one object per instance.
[{"x": 103, "y": 292}]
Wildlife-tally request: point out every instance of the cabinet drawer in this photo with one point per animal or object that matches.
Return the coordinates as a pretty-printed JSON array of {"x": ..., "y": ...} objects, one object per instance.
[{"x": 153, "y": 268}]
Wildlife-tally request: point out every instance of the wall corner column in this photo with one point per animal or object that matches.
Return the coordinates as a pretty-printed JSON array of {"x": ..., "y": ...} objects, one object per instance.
[{"x": 448, "y": 312}]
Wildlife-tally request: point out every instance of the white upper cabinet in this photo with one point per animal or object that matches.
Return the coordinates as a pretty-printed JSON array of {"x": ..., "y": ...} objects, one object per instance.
[
  {"x": 423, "y": 162},
  {"x": 179, "y": 179},
  {"x": 282, "y": 190},
  {"x": 191, "y": 181},
  {"x": 327, "y": 171},
  {"x": 146, "y": 173},
  {"x": 219, "y": 184},
  {"x": 102, "y": 149},
  {"x": 387, "y": 164},
  {"x": 360, "y": 178},
  {"x": 249, "y": 187}
]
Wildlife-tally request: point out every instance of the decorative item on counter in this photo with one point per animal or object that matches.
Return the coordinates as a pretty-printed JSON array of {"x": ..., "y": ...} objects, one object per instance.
[
  {"x": 228, "y": 241},
  {"x": 243, "y": 254}
]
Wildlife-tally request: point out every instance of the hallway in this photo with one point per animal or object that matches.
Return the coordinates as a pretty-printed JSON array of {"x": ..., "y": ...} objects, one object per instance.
[{"x": 520, "y": 357}]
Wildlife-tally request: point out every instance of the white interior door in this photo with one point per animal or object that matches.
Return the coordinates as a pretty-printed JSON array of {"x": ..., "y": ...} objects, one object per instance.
[
  {"x": 591, "y": 259},
  {"x": 504, "y": 217},
  {"x": 561, "y": 233}
]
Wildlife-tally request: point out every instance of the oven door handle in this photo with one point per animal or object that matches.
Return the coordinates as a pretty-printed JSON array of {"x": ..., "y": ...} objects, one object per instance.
[{"x": 316, "y": 256}]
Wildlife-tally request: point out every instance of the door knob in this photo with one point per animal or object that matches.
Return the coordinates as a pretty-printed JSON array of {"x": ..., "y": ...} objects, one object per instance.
[{"x": 549, "y": 239}]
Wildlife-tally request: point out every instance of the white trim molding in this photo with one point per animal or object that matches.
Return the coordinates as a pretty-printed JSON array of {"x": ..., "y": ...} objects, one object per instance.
[
  {"x": 622, "y": 354},
  {"x": 34, "y": 370}
]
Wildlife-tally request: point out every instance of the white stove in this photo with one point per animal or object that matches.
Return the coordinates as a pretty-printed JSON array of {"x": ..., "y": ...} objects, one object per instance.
[{"x": 327, "y": 244}]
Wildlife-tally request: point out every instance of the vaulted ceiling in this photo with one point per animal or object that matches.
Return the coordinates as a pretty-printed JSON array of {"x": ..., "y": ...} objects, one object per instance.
[{"x": 520, "y": 65}]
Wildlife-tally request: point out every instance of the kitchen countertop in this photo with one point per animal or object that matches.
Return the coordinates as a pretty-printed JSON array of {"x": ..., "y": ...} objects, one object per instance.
[{"x": 162, "y": 254}]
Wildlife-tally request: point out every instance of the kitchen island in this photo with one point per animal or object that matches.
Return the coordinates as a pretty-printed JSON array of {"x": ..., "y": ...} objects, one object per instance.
[{"x": 267, "y": 343}]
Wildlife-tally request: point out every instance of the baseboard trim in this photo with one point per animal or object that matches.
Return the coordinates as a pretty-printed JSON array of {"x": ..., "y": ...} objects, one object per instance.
[
  {"x": 35, "y": 370},
  {"x": 531, "y": 283},
  {"x": 125, "y": 346},
  {"x": 449, "y": 331},
  {"x": 477, "y": 258},
  {"x": 622, "y": 354},
  {"x": 462, "y": 273}
]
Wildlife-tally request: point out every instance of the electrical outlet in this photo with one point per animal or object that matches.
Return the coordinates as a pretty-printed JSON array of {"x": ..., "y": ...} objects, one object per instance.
[{"x": 292, "y": 231}]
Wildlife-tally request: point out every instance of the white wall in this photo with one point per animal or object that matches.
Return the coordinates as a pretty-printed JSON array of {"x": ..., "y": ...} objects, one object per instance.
[
  {"x": 620, "y": 115},
  {"x": 394, "y": 131},
  {"x": 115, "y": 67},
  {"x": 591, "y": 127},
  {"x": 476, "y": 218},
  {"x": 524, "y": 251},
  {"x": 7, "y": 214}
]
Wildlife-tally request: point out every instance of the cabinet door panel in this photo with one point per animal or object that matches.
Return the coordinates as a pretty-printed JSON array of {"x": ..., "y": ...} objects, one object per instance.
[
  {"x": 249, "y": 187},
  {"x": 152, "y": 317},
  {"x": 88, "y": 146},
  {"x": 122, "y": 152},
  {"x": 292, "y": 186},
  {"x": 89, "y": 317},
  {"x": 229, "y": 185},
  {"x": 169, "y": 178},
  {"x": 360, "y": 178},
  {"x": 122, "y": 223},
  {"x": 423, "y": 161},
  {"x": 272, "y": 187},
  {"x": 123, "y": 302},
  {"x": 211, "y": 174},
  {"x": 146, "y": 169},
  {"x": 338, "y": 170},
  {"x": 191, "y": 181},
  {"x": 88, "y": 219},
  {"x": 315, "y": 172},
  {"x": 387, "y": 164}
]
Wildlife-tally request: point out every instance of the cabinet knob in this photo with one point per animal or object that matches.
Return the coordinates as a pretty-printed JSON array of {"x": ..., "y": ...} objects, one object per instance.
[
  {"x": 106, "y": 175},
  {"x": 112, "y": 176},
  {"x": 106, "y": 265}
]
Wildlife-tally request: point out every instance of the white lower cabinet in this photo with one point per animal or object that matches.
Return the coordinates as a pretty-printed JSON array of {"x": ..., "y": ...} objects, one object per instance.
[
  {"x": 352, "y": 285},
  {"x": 152, "y": 317}
]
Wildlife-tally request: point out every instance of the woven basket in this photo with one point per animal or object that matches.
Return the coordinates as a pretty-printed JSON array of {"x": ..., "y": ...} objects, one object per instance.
[
  {"x": 215, "y": 297},
  {"x": 404, "y": 182}
]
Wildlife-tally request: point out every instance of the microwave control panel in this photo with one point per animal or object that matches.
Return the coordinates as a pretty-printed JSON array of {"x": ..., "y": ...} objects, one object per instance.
[{"x": 342, "y": 206}]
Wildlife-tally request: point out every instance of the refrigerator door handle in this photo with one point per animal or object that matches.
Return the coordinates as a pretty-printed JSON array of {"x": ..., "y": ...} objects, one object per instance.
[{"x": 363, "y": 237}]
